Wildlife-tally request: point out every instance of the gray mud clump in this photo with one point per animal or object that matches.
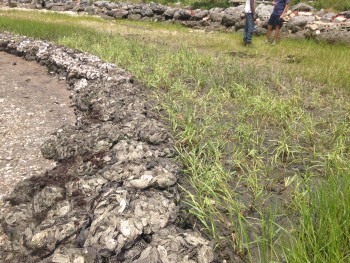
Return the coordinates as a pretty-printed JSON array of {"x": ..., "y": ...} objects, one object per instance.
[{"x": 112, "y": 196}]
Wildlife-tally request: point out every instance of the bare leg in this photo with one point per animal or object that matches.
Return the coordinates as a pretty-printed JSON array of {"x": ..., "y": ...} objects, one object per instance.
[
  {"x": 277, "y": 34},
  {"x": 268, "y": 33}
]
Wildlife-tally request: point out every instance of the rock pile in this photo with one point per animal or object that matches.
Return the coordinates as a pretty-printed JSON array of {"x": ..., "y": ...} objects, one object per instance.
[
  {"x": 302, "y": 20},
  {"x": 112, "y": 196}
]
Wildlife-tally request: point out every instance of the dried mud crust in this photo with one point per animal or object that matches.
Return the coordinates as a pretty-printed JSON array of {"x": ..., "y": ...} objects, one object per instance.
[
  {"x": 33, "y": 105},
  {"x": 112, "y": 196}
]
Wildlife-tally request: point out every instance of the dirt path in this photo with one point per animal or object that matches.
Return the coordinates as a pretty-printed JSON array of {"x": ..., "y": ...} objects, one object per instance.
[{"x": 33, "y": 105}]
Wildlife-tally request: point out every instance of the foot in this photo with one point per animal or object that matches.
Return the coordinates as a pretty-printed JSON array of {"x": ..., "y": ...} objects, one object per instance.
[
  {"x": 273, "y": 43},
  {"x": 267, "y": 41}
]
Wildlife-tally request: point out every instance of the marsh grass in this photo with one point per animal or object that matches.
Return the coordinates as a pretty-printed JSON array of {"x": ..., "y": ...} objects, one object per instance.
[
  {"x": 254, "y": 132},
  {"x": 323, "y": 234},
  {"x": 332, "y": 4}
]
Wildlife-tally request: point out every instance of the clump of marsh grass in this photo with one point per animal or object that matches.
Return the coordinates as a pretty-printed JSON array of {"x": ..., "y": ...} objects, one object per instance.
[{"x": 323, "y": 233}]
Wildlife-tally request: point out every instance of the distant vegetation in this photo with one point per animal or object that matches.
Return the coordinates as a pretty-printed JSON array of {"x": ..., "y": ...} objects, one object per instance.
[{"x": 341, "y": 5}]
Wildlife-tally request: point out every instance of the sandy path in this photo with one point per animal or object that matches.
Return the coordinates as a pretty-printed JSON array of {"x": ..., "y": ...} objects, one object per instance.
[{"x": 33, "y": 105}]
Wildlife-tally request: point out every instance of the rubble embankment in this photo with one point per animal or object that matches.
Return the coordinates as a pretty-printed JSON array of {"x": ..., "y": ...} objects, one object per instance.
[
  {"x": 302, "y": 20},
  {"x": 112, "y": 196}
]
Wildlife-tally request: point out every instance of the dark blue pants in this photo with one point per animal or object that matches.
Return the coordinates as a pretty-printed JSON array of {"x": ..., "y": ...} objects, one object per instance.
[{"x": 248, "y": 30}]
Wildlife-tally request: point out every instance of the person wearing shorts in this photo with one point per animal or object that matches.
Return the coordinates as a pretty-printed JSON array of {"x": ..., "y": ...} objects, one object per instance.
[{"x": 276, "y": 19}]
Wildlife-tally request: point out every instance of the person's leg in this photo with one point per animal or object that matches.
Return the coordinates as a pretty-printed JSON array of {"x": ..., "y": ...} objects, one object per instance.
[
  {"x": 277, "y": 34},
  {"x": 268, "y": 33},
  {"x": 250, "y": 28},
  {"x": 279, "y": 24},
  {"x": 270, "y": 25},
  {"x": 245, "y": 30}
]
